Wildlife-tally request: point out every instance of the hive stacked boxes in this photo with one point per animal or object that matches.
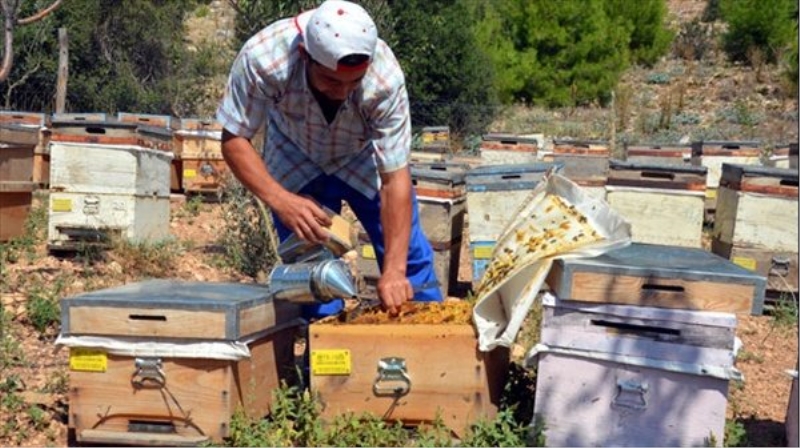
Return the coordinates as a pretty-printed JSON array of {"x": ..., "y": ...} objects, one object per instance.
[
  {"x": 756, "y": 222},
  {"x": 504, "y": 149},
  {"x": 652, "y": 196},
  {"x": 168, "y": 362},
  {"x": 712, "y": 154},
  {"x": 441, "y": 195},
  {"x": 104, "y": 184},
  {"x": 585, "y": 163},
  {"x": 667, "y": 154},
  {"x": 640, "y": 340}
]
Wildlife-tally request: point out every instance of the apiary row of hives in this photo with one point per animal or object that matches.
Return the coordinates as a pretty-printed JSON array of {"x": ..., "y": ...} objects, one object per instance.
[
  {"x": 107, "y": 176},
  {"x": 669, "y": 193}
]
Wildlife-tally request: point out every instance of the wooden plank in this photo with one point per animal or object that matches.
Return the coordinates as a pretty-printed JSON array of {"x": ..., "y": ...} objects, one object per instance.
[
  {"x": 16, "y": 163},
  {"x": 447, "y": 373},
  {"x": 143, "y": 320},
  {"x": 662, "y": 292}
]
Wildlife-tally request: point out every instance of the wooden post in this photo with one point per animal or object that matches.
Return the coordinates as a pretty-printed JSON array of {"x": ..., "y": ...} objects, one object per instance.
[{"x": 63, "y": 70}]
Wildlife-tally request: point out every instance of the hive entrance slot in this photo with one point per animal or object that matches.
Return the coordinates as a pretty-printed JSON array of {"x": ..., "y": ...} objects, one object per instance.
[
  {"x": 152, "y": 426},
  {"x": 665, "y": 288},
  {"x": 147, "y": 317}
]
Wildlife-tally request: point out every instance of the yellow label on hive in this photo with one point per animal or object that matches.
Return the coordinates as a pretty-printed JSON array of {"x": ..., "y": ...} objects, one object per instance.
[
  {"x": 483, "y": 252},
  {"x": 189, "y": 173},
  {"x": 711, "y": 194},
  {"x": 427, "y": 138},
  {"x": 61, "y": 205},
  {"x": 331, "y": 362},
  {"x": 87, "y": 360},
  {"x": 368, "y": 252},
  {"x": 747, "y": 263}
]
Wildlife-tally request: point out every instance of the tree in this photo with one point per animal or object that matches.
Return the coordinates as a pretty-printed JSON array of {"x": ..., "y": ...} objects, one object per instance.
[
  {"x": 10, "y": 10},
  {"x": 644, "y": 20},
  {"x": 767, "y": 26}
]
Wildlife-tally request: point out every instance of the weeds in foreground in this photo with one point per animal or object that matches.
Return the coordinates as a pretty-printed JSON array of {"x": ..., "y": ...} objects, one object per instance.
[
  {"x": 296, "y": 420},
  {"x": 11, "y": 352},
  {"x": 43, "y": 307}
]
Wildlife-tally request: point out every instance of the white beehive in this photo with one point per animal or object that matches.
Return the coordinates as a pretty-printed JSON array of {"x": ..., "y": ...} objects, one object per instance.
[{"x": 102, "y": 190}]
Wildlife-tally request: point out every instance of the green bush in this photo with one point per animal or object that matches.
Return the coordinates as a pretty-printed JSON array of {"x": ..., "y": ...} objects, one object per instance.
[{"x": 770, "y": 26}]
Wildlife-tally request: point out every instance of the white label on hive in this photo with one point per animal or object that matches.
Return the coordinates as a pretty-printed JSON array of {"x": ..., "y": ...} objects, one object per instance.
[
  {"x": 87, "y": 360},
  {"x": 331, "y": 362}
]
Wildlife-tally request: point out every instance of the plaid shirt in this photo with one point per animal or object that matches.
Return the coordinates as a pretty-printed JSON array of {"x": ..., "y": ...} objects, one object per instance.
[{"x": 370, "y": 134}]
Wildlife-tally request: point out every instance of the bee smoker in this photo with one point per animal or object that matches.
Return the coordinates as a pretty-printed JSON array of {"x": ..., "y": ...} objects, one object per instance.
[
  {"x": 312, "y": 282},
  {"x": 311, "y": 274}
]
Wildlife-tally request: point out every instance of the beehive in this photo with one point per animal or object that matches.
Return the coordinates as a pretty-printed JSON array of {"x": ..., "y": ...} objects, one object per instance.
[
  {"x": 649, "y": 196},
  {"x": 784, "y": 156},
  {"x": 409, "y": 372},
  {"x": 156, "y": 137},
  {"x": 632, "y": 376},
  {"x": 756, "y": 222},
  {"x": 441, "y": 195},
  {"x": 436, "y": 139},
  {"x": 168, "y": 362},
  {"x": 583, "y": 160},
  {"x": 712, "y": 154},
  {"x": 504, "y": 149},
  {"x": 28, "y": 128},
  {"x": 15, "y": 205},
  {"x": 669, "y": 154},
  {"x": 160, "y": 121},
  {"x": 198, "y": 143},
  {"x": 99, "y": 191},
  {"x": 660, "y": 276}
]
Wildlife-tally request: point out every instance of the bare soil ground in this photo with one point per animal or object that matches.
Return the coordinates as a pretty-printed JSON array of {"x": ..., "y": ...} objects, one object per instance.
[{"x": 34, "y": 375}]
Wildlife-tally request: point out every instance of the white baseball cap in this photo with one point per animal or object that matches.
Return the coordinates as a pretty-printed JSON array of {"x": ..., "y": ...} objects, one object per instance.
[{"x": 336, "y": 29}]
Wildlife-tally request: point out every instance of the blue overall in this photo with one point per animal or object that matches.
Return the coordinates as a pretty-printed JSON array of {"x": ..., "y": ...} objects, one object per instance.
[{"x": 330, "y": 191}]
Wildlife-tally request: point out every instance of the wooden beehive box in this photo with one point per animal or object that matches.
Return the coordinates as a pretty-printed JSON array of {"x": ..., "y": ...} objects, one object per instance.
[
  {"x": 650, "y": 195},
  {"x": 161, "y": 121},
  {"x": 756, "y": 222},
  {"x": 669, "y": 154},
  {"x": 15, "y": 205},
  {"x": 28, "y": 128},
  {"x": 441, "y": 197},
  {"x": 165, "y": 362},
  {"x": 436, "y": 139},
  {"x": 660, "y": 276},
  {"x": 618, "y": 375},
  {"x": 162, "y": 139},
  {"x": 409, "y": 372},
  {"x": 494, "y": 193},
  {"x": 582, "y": 159},
  {"x": 16, "y": 162},
  {"x": 100, "y": 191},
  {"x": 505, "y": 149},
  {"x": 783, "y": 156},
  {"x": 198, "y": 143},
  {"x": 712, "y": 154},
  {"x": 92, "y": 128}
]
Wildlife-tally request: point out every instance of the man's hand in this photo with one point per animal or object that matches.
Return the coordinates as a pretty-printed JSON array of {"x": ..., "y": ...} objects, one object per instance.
[
  {"x": 394, "y": 289},
  {"x": 303, "y": 217}
]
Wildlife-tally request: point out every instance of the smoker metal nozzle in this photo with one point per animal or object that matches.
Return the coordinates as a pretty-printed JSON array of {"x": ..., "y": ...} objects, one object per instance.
[{"x": 315, "y": 282}]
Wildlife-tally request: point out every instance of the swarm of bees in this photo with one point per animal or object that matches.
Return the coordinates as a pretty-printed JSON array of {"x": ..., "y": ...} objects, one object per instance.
[{"x": 553, "y": 227}]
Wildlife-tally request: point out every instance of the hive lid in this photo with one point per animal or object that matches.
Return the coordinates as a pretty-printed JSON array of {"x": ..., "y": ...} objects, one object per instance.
[{"x": 176, "y": 309}]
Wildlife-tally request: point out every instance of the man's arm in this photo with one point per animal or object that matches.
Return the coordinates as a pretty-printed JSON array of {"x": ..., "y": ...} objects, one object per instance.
[
  {"x": 393, "y": 287},
  {"x": 301, "y": 215}
]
